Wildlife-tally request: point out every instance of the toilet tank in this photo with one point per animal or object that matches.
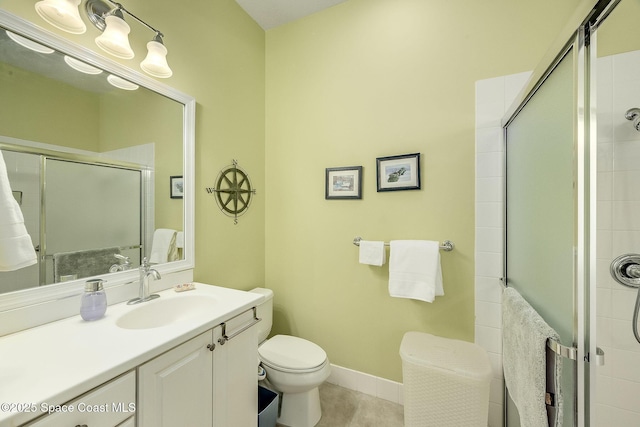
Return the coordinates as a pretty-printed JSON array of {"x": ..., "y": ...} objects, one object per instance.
[{"x": 264, "y": 312}]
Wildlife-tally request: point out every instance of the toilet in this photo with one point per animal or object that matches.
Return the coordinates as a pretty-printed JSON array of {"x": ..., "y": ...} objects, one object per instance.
[{"x": 295, "y": 368}]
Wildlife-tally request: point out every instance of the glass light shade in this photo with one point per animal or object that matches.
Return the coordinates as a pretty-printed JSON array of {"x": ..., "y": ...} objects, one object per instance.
[
  {"x": 81, "y": 66},
  {"x": 121, "y": 83},
  {"x": 115, "y": 38},
  {"x": 62, "y": 14},
  {"x": 155, "y": 63},
  {"x": 29, "y": 44}
]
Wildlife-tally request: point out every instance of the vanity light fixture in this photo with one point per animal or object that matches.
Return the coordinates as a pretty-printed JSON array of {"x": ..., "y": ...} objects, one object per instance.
[
  {"x": 29, "y": 44},
  {"x": 62, "y": 14},
  {"x": 108, "y": 16}
]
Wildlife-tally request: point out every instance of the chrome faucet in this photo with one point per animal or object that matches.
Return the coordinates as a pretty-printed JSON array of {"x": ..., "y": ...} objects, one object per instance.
[
  {"x": 123, "y": 264},
  {"x": 145, "y": 272}
]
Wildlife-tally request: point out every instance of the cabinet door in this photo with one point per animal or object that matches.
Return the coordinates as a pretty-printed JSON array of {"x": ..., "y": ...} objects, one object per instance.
[
  {"x": 175, "y": 388},
  {"x": 236, "y": 375}
]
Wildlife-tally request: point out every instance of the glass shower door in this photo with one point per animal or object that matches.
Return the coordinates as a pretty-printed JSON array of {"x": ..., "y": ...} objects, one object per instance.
[{"x": 541, "y": 212}]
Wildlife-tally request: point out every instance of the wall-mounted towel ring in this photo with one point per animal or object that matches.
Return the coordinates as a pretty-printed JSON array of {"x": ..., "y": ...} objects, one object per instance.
[{"x": 447, "y": 245}]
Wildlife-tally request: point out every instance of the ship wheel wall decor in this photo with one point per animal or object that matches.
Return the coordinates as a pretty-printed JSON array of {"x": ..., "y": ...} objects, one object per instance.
[{"x": 233, "y": 191}]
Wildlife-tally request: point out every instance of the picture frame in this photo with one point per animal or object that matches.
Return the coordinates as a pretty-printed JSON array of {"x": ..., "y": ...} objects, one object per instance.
[
  {"x": 395, "y": 173},
  {"x": 343, "y": 183},
  {"x": 176, "y": 187}
]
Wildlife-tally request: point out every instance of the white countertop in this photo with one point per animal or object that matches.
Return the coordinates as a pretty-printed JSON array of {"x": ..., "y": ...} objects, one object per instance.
[{"x": 54, "y": 363}]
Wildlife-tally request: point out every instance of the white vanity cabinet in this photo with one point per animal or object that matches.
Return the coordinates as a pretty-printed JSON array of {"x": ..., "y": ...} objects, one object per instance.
[
  {"x": 110, "y": 405},
  {"x": 175, "y": 388},
  {"x": 235, "y": 373},
  {"x": 185, "y": 359},
  {"x": 207, "y": 381}
]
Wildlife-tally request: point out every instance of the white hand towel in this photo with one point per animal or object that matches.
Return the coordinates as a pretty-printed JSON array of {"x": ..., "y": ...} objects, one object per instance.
[
  {"x": 372, "y": 253},
  {"x": 414, "y": 270},
  {"x": 163, "y": 245},
  {"x": 16, "y": 247}
]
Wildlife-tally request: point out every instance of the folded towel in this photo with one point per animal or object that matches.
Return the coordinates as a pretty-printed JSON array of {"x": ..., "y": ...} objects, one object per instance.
[
  {"x": 414, "y": 270},
  {"x": 372, "y": 253},
  {"x": 524, "y": 342},
  {"x": 81, "y": 264},
  {"x": 163, "y": 246},
  {"x": 16, "y": 247}
]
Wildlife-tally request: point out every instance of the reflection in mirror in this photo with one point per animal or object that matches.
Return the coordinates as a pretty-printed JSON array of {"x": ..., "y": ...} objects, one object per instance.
[{"x": 89, "y": 156}]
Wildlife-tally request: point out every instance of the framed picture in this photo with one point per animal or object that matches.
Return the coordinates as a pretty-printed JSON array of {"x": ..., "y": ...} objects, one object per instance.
[
  {"x": 398, "y": 172},
  {"x": 176, "y": 187},
  {"x": 343, "y": 183}
]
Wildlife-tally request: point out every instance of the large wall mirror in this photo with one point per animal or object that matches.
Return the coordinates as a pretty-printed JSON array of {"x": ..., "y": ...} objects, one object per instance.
[{"x": 100, "y": 159}]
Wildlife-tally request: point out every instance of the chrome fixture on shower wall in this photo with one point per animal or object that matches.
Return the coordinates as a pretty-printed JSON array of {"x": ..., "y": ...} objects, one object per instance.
[
  {"x": 108, "y": 17},
  {"x": 625, "y": 269},
  {"x": 633, "y": 114}
]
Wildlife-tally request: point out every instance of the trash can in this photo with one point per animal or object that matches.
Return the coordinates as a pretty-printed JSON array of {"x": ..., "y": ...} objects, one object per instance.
[
  {"x": 267, "y": 407},
  {"x": 446, "y": 382}
]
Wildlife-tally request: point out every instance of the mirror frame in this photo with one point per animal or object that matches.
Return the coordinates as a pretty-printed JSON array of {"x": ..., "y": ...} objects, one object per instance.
[{"x": 59, "y": 291}]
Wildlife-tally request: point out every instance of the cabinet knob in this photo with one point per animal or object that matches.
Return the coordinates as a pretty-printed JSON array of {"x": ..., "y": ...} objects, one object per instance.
[{"x": 211, "y": 347}]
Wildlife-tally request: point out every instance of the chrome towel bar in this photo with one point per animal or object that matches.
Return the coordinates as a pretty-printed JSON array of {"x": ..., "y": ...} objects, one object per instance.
[
  {"x": 571, "y": 353},
  {"x": 226, "y": 337},
  {"x": 447, "y": 245}
]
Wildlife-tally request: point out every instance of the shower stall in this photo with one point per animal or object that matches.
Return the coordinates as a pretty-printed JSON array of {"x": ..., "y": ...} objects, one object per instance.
[{"x": 572, "y": 217}]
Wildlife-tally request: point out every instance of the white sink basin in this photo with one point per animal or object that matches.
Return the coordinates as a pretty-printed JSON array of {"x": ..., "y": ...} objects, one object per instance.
[{"x": 162, "y": 312}]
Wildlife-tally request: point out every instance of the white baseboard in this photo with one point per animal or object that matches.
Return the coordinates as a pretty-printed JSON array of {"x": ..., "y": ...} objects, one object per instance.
[{"x": 367, "y": 384}]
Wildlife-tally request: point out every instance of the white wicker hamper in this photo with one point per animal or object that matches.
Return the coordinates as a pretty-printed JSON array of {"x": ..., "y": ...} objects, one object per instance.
[{"x": 446, "y": 382}]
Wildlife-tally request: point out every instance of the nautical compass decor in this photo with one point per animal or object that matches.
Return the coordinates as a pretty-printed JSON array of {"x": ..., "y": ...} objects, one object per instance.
[{"x": 233, "y": 191}]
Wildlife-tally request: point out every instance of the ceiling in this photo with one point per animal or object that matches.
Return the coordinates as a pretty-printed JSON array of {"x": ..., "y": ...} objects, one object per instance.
[{"x": 272, "y": 13}]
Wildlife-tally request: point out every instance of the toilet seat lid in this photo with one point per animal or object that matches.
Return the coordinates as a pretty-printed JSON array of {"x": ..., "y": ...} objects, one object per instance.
[{"x": 291, "y": 353}]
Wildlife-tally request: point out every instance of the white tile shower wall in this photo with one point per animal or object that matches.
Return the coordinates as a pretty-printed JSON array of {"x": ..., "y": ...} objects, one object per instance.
[
  {"x": 618, "y": 232},
  {"x": 493, "y": 97}
]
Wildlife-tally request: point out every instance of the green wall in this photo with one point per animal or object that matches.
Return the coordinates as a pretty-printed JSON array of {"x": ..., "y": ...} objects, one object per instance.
[
  {"x": 366, "y": 79},
  {"x": 52, "y": 108}
]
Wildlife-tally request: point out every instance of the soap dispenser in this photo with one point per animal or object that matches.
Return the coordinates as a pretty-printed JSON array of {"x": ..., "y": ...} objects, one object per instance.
[{"x": 94, "y": 300}]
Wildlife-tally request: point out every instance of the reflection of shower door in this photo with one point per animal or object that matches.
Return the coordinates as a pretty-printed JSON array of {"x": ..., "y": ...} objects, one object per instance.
[
  {"x": 542, "y": 220},
  {"x": 88, "y": 207}
]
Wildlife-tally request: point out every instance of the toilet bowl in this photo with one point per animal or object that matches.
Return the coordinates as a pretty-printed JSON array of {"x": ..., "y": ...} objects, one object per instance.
[{"x": 294, "y": 367}]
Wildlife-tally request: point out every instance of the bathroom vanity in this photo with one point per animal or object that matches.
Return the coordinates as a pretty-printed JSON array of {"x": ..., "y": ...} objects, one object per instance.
[{"x": 187, "y": 358}]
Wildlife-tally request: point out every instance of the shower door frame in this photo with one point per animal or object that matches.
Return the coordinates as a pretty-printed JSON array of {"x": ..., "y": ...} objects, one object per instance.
[{"x": 578, "y": 34}]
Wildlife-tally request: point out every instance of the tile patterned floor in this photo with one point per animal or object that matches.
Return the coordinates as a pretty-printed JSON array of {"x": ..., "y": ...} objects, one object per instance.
[{"x": 342, "y": 407}]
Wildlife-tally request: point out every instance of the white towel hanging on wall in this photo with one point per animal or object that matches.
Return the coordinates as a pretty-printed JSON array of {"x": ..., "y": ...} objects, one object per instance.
[
  {"x": 414, "y": 270},
  {"x": 16, "y": 247},
  {"x": 372, "y": 253}
]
